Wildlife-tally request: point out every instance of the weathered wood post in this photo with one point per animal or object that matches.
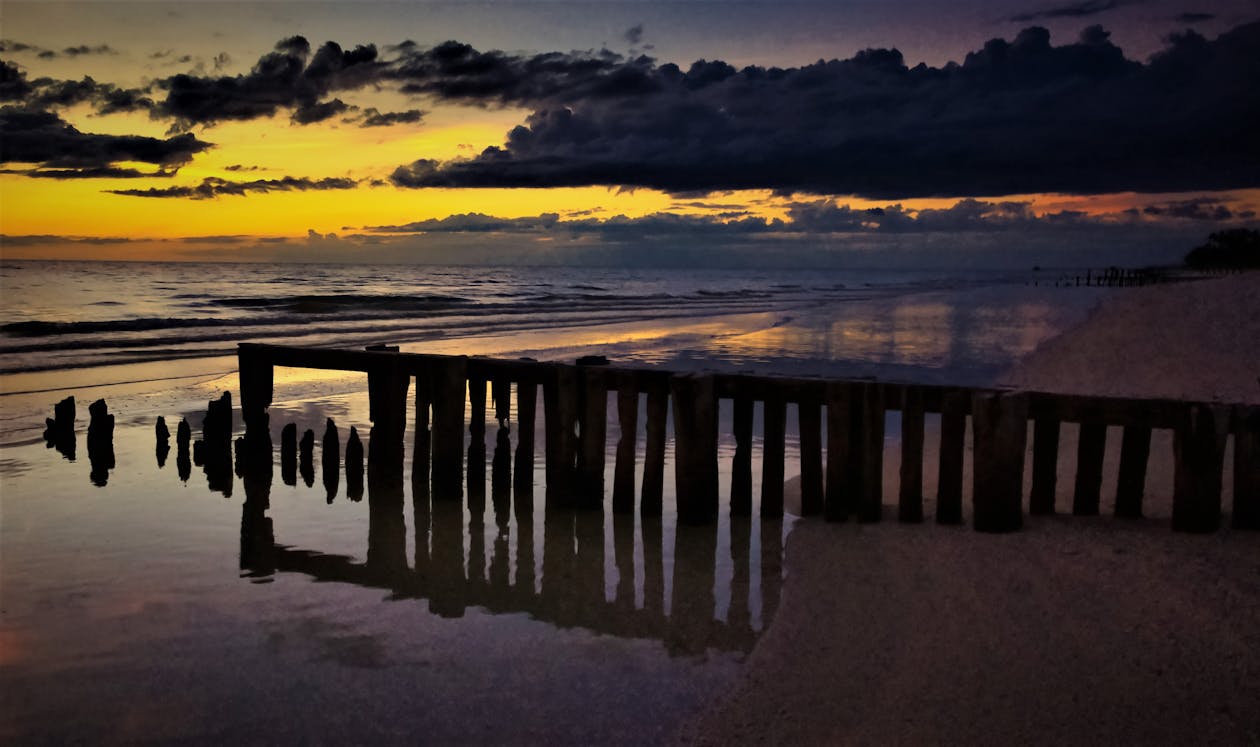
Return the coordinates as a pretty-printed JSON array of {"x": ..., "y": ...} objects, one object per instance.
[
  {"x": 1000, "y": 427},
  {"x": 623, "y": 477},
  {"x": 949, "y": 489},
  {"x": 1199, "y": 455},
  {"x": 1090, "y": 448},
  {"x": 387, "y": 409},
  {"x": 1135, "y": 451},
  {"x": 560, "y": 400},
  {"x": 423, "y": 438},
  {"x": 1246, "y": 513},
  {"x": 741, "y": 464},
  {"x": 871, "y": 500},
  {"x": 774, "y": 426},
  {"x": 695, "y": 447},
  {"x": 910, "y": 490},
  {"x": 652, "y": 496},
  {"x": 594, "y": 437},
  {"x": 476, "y": 478},
  {"x": 448, "y": 426},
  {"x": 501, "y": 393},
  {"x": 526, "y": 406},
  {"x": 257, "y": 384},
  {"x": 477, "y": 408},
  {"x": 810, "y": 421},
  {"x": 1045, "y": 466},
  {"x": 839, "y": 496}
]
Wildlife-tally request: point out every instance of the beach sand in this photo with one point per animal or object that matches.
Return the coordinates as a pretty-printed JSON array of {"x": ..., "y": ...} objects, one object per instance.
[{"x": 1074, "y": 630}]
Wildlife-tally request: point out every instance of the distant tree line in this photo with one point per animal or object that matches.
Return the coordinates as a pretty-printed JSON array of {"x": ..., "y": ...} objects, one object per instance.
[{"x": 1236, "y": 248}]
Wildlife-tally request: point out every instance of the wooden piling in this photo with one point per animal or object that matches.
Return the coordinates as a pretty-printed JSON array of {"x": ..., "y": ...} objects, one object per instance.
[
  {"x": 871, "y": 498},
  {"x": 1090, "y": 448},
  {"x": 1246, "y": 512},
  {"x": 1135, "y": 451},
  {"x": 953, "y": 447},
  {"x": 741, "y": 464},
  {"x": 695, "y": 447},
  {"x": 910, "y": 491},
  {"x": 623, "y": 476},
  {"x": 526, "y": 405},
  {"x": 477, "y": 409},
  {"x": 1045, "y": 466},
  {"x": 838, "y": 498},
  {"x": 773, "y": 433},
  {"x": 501, "y": 393},
  {"x": 257, "y": 384},
  {"x": 1199, "y": 455},
  {"x": 650, "y": 502},
  {"x": 560, "y": 401},
  {"x": 999, "y": 431},
  {"x": 448, "y": 426},
  {"x": 422, "y": 452},
  {"x": 810, "y": 420},
  {"x": 594, "y": 438}
]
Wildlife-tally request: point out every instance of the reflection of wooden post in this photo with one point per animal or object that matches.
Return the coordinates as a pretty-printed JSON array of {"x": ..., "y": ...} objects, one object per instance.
[
  {"x": 1135, "y": 451},
  {"x": 910, "y": 490},
  {"x": 654, "y": 453},
  {"x": 1199, "y": 455},
  {"x": 594, "y": 438},
  {"x": 1000, "y": 427},
  {"x": 839, "y": 496},
  {"x": 695, "y": 447},
  {"x": 772, "y": 454},
  {"x": 560, "y": 399},
  {"x": 623, "y": 477},
  {"x": 448, "y": 426},
  {"x": 526, "y": 405},
  {"x": 810, "y": 421},
  {"x": 1045, "y": 466},
  {"x": 1246, "y": 513},
  {"x": 741, "y": 465},
  {"x": 871, "y": 500},
  {"x": 1090, "y": 447},
  {"x": 653, "y": 566},
  {"x": 953, "y": 447}
]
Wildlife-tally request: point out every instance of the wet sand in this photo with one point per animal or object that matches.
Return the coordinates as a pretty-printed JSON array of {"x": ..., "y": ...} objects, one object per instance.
[{"x": 1073, "y": 630}]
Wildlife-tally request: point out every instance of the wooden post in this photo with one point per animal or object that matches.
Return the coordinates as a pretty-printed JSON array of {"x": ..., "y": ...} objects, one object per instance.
[
  {"x": 773, "y": 427},
  {"x": 650, "y": 503},
  {"x": 838, "y": 500},
  {"x": 501, "y": 393},
  {"x": 871, "y": 499},
  {"x": 1000, "y": 427},
  {"x": 1045, "y": 466},
  {"x": 695, "y": 447},
  {"x": 526, "y": 406},
  {"x": 1199, "y": 455},
  {"x": 477, "y": 410},
  {"x": 448, "y": 426},
  {"x": 1091, "y": 446},
  {"x": 741, "y": 463},
  {"x": 953, "y": 448},
  {"x": 560, "y": 400},
  {"x": 811, "y": 458},
  {"x": 1246, "y": 513},
  {"x": 387, "y": 408},
  {"x": 1135, "y": 451},
  {"x": 594, "y": 438},
  {"x": 257, "y": 380},
  {"x": 423, "y": 439},
  {"x": 910, "y": 492},
  {"x": 623, "y": 476}
]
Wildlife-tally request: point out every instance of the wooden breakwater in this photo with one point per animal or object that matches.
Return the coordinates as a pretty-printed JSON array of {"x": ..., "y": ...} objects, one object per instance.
[{"x": 848, "y": 483}]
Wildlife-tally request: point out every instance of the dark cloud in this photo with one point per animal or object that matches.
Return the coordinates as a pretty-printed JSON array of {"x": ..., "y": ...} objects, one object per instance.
[
  {"x": 79, "y": 50},
  {"x": 1074, "y": 10},
  {"x": 288, "y": 78},
  {"x": 374, "y": 118},
  {"x": 1015, "y": 117},
  {"x": 43, "y": 138},
  {"x": 48, "y": 93},
  {"x": 634, "y": 34},
  {"x": 96, "y": 172},
  {"x": 212, "y": 187},
  {"x": 1200, "y": 208},
  {"x": 9, "y": 45},
  {"x": 242, "y": 167},
  {"x": 13, "y": 83},
  {"x": 84, "y": 49},
  {"x": 1194, "y": 17}
]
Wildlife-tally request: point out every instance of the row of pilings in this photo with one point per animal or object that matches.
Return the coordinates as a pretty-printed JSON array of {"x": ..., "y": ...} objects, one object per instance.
[{"x": 450, "y": 397}]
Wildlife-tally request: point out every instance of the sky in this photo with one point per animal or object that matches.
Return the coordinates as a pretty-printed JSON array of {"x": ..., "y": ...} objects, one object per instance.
[{"x": 695, "y": 133}]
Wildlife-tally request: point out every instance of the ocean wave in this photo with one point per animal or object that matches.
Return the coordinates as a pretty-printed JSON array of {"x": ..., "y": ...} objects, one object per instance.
[{"x": 328, "y": 304}]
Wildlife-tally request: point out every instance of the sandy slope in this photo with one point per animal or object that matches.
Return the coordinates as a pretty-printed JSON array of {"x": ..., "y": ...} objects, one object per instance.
[{"x": 1072, "y": 631}]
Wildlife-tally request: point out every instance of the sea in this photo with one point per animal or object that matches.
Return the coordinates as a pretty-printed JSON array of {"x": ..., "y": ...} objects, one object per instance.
[{"x": 146, "y": 596}]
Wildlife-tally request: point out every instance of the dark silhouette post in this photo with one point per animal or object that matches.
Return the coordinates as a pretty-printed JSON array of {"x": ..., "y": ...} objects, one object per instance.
[
  {"x": 1000, "y": 426},
  {"x": 593, "y": 411},
  {"x": 1135, "y": 451},
  {"x": 306, "y": 450},
  {"x": 331, "y": 459},
  {"x": 1090, "y": 447},
  {"x": 839, "y": 498},
  {"x": 695, "y": 447},
  {"x": 100, "y": 441},
  {"x": 448, "y": 427},
  {"x": 652, "y": 496},
  {"x": 163, "y": 438},
  {"x": 949, "y": 490},
  {"x": 628, "y": 423},
  {"x": 1199, "y": 456},
  {"x": 257, "y": 385},
  {"x": 810, "y": 423},
  {"x": 354, "y": 466},
  {"x": 59, "y": 432},
  {"x": 1246, "y": 513},
  {"x": 1045, "y": 466},
  {"x": 526, "y": 407},
  {"x": 288, "y": 454},
  {"x": 741, "y": 463},
  {"x": 774, "y": 427},
  {"x": 560, "y": 400}
]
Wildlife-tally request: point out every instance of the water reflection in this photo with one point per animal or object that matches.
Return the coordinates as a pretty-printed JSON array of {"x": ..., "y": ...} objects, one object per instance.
[{"x": 458, "y": 564}]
